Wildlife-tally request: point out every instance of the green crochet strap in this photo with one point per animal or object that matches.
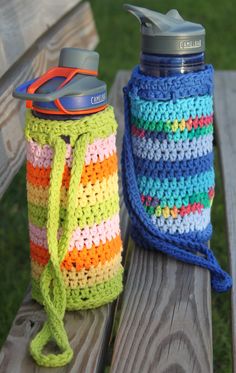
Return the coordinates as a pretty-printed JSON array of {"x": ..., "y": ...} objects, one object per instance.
[{"x": 51, "y": 282}]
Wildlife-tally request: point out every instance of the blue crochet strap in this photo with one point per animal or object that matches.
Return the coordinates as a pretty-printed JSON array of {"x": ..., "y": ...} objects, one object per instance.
[{"x": 148, "y": 236}]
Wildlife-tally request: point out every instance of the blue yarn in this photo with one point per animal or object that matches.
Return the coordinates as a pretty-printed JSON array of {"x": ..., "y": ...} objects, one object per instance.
[
  {"x": 164, "y": 169},
  {"x": 187, "y": 247},
  {"x": 187, "y": 85}
]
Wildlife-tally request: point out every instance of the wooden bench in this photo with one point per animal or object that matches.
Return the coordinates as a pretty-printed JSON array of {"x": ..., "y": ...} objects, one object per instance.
[{"x": 162, "y": 321}]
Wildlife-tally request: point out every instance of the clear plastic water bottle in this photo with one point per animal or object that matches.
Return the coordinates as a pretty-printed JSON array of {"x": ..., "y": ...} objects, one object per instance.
[{"x": 170, "y": 45}]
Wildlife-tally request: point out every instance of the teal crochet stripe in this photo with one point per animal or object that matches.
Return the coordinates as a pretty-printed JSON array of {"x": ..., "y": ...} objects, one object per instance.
[
  {"x": 171, "y": 110},
  {"x": 169, "y": 135},
  {"x": 175, "y": 188},
  {"x": 179, "y": 201}
]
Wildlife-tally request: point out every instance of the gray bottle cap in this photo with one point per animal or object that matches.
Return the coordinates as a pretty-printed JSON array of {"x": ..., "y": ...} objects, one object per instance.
[
  {"x": 79, "y": 58},
  {"x": 168, "y": 33}
]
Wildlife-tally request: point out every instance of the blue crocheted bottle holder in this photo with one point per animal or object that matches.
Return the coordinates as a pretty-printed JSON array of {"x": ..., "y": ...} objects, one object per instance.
[{"x": 167, "y": 166}]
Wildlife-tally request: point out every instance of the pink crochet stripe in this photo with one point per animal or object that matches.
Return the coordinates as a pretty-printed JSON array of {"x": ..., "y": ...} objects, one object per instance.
[
  {"x": 41, "y": 156},
  {"x": 107, "y": 230}
]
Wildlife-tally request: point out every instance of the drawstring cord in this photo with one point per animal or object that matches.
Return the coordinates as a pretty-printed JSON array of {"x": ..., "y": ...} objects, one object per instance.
[{"x": 51, "y": 281}]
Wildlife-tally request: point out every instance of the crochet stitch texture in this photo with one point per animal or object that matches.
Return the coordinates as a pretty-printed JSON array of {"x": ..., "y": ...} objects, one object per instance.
[
  {"x": 167, "y": 166},
  {"x": 73, "y": 208}
]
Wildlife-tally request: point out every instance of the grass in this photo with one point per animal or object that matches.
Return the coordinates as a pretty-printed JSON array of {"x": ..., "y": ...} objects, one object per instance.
[{"x": 119, "y": 49}]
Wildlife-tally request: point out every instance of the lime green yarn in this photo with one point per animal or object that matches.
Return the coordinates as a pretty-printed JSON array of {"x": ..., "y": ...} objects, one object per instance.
[
  {"x": 55, "y": 305},
  {"x": 50, "y": 290},
  {"x": 85, "y": 215},
  {"x": 44, "y": 131},
  {"x": 88, "y": 297}
]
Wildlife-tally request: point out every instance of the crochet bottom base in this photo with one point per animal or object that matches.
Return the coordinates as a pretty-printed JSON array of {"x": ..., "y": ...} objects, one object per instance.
[{"x": 89, "y": 297}]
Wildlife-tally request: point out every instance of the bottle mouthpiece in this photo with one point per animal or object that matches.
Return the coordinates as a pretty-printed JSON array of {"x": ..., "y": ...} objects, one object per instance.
[{"x": 168, "y": 33}]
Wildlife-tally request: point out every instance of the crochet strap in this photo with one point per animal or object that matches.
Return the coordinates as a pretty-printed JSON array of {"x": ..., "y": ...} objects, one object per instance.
[
  {"x": 147, "y": 235},
  {"x": 51, "y": 282}
]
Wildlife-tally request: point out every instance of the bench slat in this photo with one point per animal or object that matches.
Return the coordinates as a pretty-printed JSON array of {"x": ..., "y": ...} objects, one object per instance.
[
  {"x": 23, "y": 22},
  {"x": 225, "y": 113},
  {"x": 88, "y": 331},
  {"x": 76, "y": 30},
  {"x": 165, "y": 322}
]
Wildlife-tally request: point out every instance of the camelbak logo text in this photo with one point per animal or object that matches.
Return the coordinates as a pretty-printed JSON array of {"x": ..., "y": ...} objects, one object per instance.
[
  {"x": 98, "y": 99},
  {"x": 187, "y": 44}
]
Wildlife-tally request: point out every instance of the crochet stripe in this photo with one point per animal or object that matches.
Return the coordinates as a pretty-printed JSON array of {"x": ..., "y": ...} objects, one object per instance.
[
  {"x": 89, "y": 297},
  {"x": 42, "y": 156},
  {"x": 78, "y": 259},
  {"x": 85, "y": 216},
  {"x": 189, "y": 124},
  {"x": 87, "y": 236},
  {"x": 91, "y": 173},
  {"x": 170, "y": 150},
  {"x": 88, "y": 195},
  {"x": 171, "y": 110},
  {"x": 85, "y": 277}
]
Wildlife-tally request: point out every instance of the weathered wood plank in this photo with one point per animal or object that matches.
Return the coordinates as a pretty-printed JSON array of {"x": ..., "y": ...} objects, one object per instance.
[
  {"x": 165, "y": 323},
  {"x": 225, "y": 114},
  {"x": 76, "y": 30},
  {"x": 23, "y": 22},
  {"x": 88, "y": 331}
]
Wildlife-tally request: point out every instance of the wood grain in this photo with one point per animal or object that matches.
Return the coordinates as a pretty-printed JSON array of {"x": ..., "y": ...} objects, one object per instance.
[
  {"x": 23, "y": 22},
  {"x": 165, "y": 323},
  {"x": 88, "y": 331},
  {"x": 75, "y": 30},
  {"x": 225, "y": 114}
]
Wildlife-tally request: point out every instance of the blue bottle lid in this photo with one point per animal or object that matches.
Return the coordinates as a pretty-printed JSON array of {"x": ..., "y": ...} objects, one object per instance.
[{"x": 72, "y": 88}]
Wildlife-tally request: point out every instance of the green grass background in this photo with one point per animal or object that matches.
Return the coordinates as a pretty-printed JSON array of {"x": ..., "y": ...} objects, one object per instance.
[{"x": 119, "y": 49}]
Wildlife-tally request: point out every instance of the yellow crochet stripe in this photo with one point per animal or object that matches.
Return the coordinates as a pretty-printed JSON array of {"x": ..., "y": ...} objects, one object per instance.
[
  {"x": 84, "y": 277},
  {"x": 87, "y": 195},
  {"x": 86, "y": 216},
  {"x": 52, "y": 290}
]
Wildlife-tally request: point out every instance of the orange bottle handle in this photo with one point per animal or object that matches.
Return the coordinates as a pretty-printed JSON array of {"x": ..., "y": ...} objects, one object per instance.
[{"x": 66, "y": 72}]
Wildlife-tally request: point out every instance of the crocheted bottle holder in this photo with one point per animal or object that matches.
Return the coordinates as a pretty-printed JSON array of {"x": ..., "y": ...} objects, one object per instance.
[
  {"x": 73, "y": 208},
  {"x": 167, "y": 166}
]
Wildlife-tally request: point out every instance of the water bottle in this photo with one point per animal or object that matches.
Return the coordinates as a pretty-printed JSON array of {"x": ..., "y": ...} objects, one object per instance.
[
  {"x": 170, "y": 45},
  {"x": 72, "y": 192},
  {"x": 167, "y": 158}
]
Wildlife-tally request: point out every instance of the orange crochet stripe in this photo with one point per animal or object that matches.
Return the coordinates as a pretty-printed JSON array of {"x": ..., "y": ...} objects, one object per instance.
[
  {"x": 84, "y": 258},
  {"x": 91, "y": 173}
]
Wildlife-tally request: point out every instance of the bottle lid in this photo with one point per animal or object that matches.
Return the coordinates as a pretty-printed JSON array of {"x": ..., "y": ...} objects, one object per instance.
[
  {"x": 72, "y": 88},
  {"x": 168, "y": 33}
]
